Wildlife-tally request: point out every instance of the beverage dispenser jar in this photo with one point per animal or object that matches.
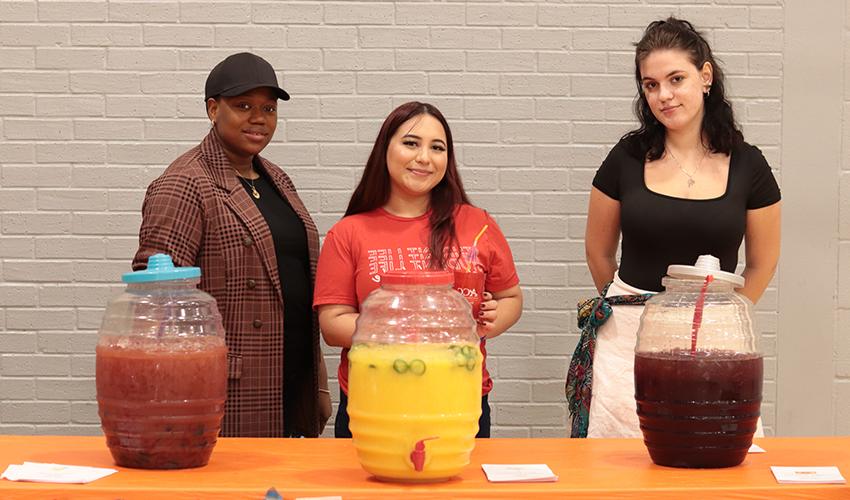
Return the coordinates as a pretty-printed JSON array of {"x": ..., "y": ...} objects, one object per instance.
[
  {"x": 161, "y": 369},
  {"x": 698, "y": 372},
  {"x": 414, "y": 389}
]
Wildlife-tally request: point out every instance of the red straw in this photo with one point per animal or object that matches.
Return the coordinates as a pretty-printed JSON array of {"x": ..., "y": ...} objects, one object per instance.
[{"x": 698, "y": 314}]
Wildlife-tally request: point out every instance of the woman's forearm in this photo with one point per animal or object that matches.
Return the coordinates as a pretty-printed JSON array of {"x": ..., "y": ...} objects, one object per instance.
[
  {"x": 508, "y": 311},
  {"x": 602, "y": 269},
  {"x": 337, "y": 329},
  {"x": 757, "y": 279},
  {"x": 762, "y": 249},
  {"x": 601, "y": 237}
]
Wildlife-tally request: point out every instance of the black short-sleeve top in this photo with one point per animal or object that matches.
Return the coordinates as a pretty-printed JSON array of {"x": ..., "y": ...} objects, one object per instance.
[{"x": 660, "y": 230}]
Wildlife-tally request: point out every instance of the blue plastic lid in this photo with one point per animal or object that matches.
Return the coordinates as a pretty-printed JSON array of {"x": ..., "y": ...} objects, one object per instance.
[{"x": 161, "y": 268}]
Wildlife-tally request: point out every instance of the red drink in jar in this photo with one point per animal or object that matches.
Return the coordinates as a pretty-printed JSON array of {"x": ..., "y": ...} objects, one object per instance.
[
  {"x": 161, "y": 408},
  {"x": 700, "y": 410}
]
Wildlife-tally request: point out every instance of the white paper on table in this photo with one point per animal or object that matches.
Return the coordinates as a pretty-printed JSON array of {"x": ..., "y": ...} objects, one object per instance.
[
  {"x": 754, "y": 448},
  {"x": 54, "y": 473},
  {"x": 798, "y": 475},
  {"x": 521, "y": 473}
]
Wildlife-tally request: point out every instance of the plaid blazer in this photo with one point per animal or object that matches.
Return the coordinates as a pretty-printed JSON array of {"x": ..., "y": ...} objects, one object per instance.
[{"x": 198, "y": 212}]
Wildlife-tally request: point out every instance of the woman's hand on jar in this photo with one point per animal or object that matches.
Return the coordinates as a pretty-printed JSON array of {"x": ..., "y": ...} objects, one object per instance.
[
  {"x": 487, "y": 315},
  {"x": 325, "y": 408}
]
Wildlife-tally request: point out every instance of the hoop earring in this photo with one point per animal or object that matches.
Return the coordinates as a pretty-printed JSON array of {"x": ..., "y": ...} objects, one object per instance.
[{"x": 707, "y": 91}]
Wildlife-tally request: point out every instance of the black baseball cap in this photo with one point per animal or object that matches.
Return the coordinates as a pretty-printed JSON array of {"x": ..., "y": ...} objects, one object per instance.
[{"x": 240, "y": 73}]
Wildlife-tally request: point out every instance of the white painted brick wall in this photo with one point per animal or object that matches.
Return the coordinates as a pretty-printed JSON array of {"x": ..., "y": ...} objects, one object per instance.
[
  {"x": 96, "y": 97},
  {"x": 841, "y": 388}
]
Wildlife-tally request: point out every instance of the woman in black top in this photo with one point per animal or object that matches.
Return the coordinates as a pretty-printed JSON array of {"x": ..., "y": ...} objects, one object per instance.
[
  {"x": 291, "y": 245},
  {"x": 683, "y": 184}
]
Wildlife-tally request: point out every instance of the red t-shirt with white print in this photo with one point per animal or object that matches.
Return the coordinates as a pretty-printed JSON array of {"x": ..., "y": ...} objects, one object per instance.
[{"x": 359, "y": 248}]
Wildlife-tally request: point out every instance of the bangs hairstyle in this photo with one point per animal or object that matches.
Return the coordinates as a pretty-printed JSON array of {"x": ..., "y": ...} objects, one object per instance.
[
  {"x": 373, "y": 190},
  {"x": 718, "y": 121}
]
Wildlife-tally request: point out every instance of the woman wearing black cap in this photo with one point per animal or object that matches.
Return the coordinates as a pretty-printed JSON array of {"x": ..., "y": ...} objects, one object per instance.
[{"x": 222, "y": 207}]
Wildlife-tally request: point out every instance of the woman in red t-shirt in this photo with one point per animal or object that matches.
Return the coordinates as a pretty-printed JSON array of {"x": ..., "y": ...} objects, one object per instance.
[{"x": 410, "y": 211}]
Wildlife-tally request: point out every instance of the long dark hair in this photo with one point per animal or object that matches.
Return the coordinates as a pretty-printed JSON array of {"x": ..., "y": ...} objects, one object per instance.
[
  {"x": 718, "y": 121},
  {"x": 373, "y": 190}
]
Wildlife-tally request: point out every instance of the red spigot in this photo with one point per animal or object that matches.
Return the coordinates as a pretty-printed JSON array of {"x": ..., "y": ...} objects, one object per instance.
[{"x": 417, "y": 456}]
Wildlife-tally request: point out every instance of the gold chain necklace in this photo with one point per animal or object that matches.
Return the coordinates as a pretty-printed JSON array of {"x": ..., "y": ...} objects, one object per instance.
[
  {"x": 254, "y": 192},
  {"x": 691, "y": 180}
]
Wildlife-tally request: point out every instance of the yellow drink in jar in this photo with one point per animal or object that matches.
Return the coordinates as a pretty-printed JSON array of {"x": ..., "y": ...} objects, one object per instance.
[{"x": 414, "y": 408}]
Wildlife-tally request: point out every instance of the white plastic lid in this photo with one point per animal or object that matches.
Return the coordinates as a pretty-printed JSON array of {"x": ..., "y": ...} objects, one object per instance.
[{"x": 705, "y": 265}]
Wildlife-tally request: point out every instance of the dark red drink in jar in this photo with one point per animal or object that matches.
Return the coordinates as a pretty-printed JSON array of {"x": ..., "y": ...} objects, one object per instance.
[
  {"x": 159, "y": 408},
  {"x": 698, "y": 411}
]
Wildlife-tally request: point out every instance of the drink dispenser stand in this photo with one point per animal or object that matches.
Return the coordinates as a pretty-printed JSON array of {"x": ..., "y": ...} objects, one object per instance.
[
  {"x": 698, "y": 371},
  {"x": 414, "y": 389},
  {"x": 161, "y": 369}
]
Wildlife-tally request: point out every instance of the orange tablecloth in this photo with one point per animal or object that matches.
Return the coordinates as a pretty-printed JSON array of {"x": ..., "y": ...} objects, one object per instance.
[{"x": 588, "y": 468}]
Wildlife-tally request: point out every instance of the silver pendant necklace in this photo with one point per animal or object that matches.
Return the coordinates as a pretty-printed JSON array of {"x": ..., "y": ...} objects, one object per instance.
[{"x": 691, "y": 180}]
